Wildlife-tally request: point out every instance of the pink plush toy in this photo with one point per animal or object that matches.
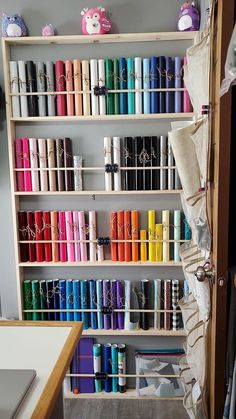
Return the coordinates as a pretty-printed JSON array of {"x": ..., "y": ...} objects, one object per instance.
[{"x": 95, "y": 22}]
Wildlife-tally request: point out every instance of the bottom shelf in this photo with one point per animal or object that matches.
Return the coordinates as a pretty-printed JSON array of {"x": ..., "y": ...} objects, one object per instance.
[
  {"x": 138, "y": 332},
  {"x": 129, "y": 394}
]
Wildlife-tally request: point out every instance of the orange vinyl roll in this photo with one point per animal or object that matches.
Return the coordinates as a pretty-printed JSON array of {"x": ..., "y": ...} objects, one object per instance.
[
  {"x": 78, "y": 86},
  {"x": 134, "y": 235},
  {"x": 127, "y": 236},
  {"x": 120, "y": 235},
  {"x": 54, "y": 236},
  {"x": 113, "y": 235},
  {"x": 69, "y": 87}
]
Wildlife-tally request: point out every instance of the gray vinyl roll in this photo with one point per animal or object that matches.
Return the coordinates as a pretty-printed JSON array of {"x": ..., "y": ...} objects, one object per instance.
[
  {"x": 41, "y": 87},
  {"x": 50, "y": 79}
]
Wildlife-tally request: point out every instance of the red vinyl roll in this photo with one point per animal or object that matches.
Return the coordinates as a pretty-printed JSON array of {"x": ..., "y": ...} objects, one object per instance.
[
  {"x": 31, "y": 235},
  {"x": 113, "y": 235},
  {"x": 22, "y": 223},
  {"x": 60, "y": 87},
  {"x": 38, "y": 220},
  {"x": 47, "y": 235}
]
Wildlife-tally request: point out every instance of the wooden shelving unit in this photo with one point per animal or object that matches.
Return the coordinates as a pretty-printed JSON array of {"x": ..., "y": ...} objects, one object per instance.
[{"x": 7, "y": 43}]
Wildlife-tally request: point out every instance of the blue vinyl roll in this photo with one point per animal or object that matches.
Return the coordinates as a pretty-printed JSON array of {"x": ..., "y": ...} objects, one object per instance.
[
  {"x": 56, "y": 298},
  {"x": 84, "y": 303},
  {"x": 154, "y": 84},
  {"x": 76, "y": 299},
  {"x": 69, "y": 299},
  {"x": 169, "y": 84},
  {"x": 62, "y": 298}
]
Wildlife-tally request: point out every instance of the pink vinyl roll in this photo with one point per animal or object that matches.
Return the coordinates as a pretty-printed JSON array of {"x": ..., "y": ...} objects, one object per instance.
[
  {"x": 20, "y": 183},
  {"x": 186, "y": 99},
  {"x": 70, "y": 236},
  {"x": 69, "y": 88},
  {"x": 26, "y": 164},
  {"x": 76, "y": 235},
  {"x": 92, "y": 235},
  {"x": 82, "y": 233},
  {"x": 62, "y": 235}
]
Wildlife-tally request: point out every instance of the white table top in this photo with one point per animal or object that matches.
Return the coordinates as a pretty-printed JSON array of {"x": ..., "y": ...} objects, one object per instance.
[{"x": 35, "y": 348}]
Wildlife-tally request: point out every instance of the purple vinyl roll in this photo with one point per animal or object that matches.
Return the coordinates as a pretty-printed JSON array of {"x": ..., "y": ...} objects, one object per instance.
[
  {"x": 178, "y": 83},
  {"x": 120, "y": 303},
  {"x": 106, "y": 303},
  {"x": 113, "y": 304}
]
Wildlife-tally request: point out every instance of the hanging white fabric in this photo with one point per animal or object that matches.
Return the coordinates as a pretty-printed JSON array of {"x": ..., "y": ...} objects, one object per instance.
[{"x": 230, "y": 66}]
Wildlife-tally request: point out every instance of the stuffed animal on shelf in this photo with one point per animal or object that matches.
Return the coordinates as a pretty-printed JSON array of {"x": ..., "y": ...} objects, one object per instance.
[
  {"x": 13, "y": 25},
  {"x": 95, "y": 22},
  {"x": 48, "y": 30},
  {"x": 189, "y": 19}
]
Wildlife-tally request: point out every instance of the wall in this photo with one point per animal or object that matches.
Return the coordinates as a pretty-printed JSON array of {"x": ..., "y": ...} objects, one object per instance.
[{"x": 128, "y": 16}]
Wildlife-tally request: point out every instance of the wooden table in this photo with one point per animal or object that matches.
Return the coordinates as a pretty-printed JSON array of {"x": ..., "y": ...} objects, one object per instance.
[{"x": 48, "y": 348}]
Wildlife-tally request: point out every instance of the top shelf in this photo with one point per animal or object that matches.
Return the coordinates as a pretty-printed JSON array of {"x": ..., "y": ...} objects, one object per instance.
[{"x": 97, "y": 39}]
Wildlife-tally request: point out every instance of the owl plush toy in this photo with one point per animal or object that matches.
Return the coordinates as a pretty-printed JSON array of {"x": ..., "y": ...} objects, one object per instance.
[
  {"x": 189, "y": 19},
  {"x": 13, "y": 25},
  {"x": 95, "y": 22}
]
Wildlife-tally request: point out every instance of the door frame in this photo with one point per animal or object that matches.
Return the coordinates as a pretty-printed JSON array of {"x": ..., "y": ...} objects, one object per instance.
[{"x": 219, "y": 190}]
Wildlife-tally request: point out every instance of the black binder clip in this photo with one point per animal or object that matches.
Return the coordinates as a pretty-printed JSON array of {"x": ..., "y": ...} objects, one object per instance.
[
  {"x": 206, "y": 109},
  {"x": 96, "y": 91},
  {"x": 100, "y": 91},
  {"x": 106, "y": 310},
  {"x": 112, "y": 168},
  {"x": 103, "y": 91},
  {"x": 103, "y": 241},
  {"x": 101, "y": 376}
]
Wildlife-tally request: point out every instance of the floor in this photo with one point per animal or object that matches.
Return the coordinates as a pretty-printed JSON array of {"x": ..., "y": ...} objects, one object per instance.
[{"x": 124, "y": 409}]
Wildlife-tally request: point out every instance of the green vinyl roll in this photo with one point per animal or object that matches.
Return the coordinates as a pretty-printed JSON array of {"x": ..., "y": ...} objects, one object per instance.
[
  {"x": 43, "y": 299},
  {"x": 109, "y": 77},
  {"x": 27, "y": 297},
  {"x": 116, "y": 87},
  {"x": 36, "y": 300}
]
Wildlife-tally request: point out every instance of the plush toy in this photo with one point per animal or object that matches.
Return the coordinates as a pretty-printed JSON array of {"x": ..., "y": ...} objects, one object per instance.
[
  {"x": 94, "y": 21},
  {"x": 48, "y": 30},
  {"x": 13, "y": 25},
  {"x": 189, "y": 19}
]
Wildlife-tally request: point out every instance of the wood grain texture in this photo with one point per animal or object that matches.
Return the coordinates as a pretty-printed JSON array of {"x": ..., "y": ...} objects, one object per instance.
[
  {"x": 220, "y": 160},
  {"x": 96, "y": 39}
]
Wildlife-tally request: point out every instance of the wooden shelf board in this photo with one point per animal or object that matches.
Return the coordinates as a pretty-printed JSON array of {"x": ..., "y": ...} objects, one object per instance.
[
  {"x": 139, "y": 332},
  {"x": 129, "y": 394},
  {"x": 90, "y": 118},
  {"x": 97, "y": 39},
  {"x": 104, "y": 263},
  {"x": 104, "y": 193}
]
